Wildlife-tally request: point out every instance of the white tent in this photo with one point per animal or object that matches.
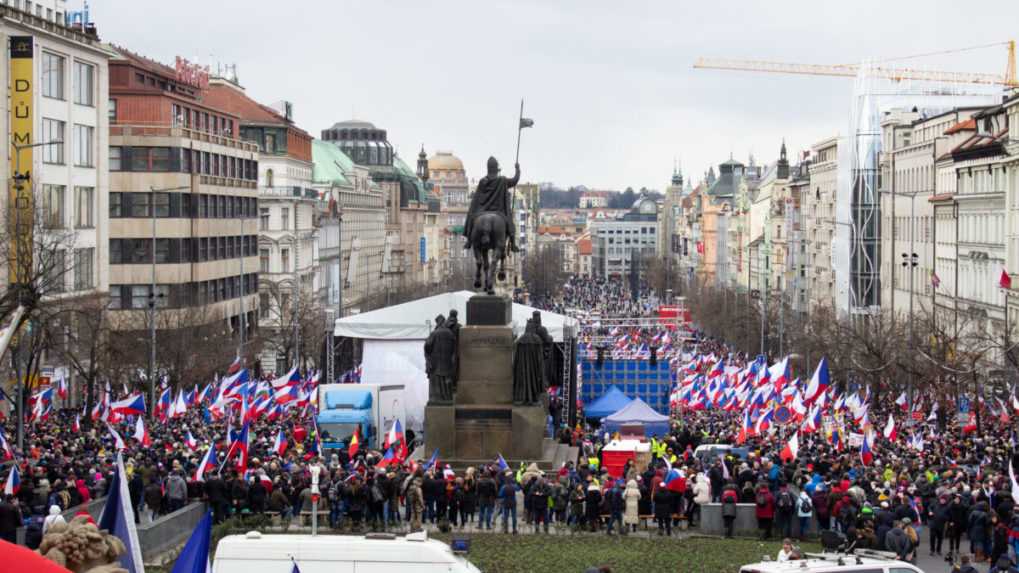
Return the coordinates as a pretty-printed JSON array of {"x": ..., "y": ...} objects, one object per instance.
[
  {"x": 413, "y": 320},
  {"x": 394, "y": 341}
]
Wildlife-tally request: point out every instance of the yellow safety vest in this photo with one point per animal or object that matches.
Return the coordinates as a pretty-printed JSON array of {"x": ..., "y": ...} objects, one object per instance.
[{"x": 593, "y": 461}]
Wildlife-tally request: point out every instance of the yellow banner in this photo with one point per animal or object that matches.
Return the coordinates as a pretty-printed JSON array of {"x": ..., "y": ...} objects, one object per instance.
[{"x": 21, "y": 118}]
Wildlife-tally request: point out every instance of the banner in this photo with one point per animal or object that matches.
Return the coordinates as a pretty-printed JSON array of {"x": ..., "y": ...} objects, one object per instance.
[{"x": 21, "y": 120}]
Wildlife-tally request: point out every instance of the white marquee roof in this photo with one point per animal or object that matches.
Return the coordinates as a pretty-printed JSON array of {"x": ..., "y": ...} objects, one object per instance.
[{"x": 414, "y": 320}]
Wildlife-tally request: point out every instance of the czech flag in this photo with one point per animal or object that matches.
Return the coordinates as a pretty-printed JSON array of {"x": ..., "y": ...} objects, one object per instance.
[
  {"x": 163, "y": 405},
  {"x": 819, "y": 382},
  {"x": 13, "y": 481},
  {"x": 674, "y": 481},
  {"x": 289, "y": 379},
  {"x": 239, "y": 448},
  {"x": 902, "y": 401},
  {"x": 890, "y": 432},
  {"x": 396, "y": 438},
  {"x": 118, "y": 442},
  {"x": 866, "y": 449},
  {"x": 62, "y": 387},
  {"x": 76, "y": 426},
  {"x": 8, "y": 452},
  {"x": 279, "y": 446},
  {"x": 133, "y": 405},
  {"x": 355, "y": 442},
  {"x": 779, "y": 374},
  {"x": 208, "y": 462},
  {"x": 141, "y": 434},
  {"x": 791, "y": 449},
  {"x": 191, "y": 441},
  {"x": 235, "y": 366}
]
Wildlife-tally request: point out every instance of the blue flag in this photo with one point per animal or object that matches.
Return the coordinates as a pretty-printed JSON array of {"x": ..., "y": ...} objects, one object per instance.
[
  {"x": 503, "y": 466},
  {"x": 195, "y": 556},
  {"x": 118, "y": 519},
  {"x": 431, "y": 462},
  {"x": 295, "y": 569}
]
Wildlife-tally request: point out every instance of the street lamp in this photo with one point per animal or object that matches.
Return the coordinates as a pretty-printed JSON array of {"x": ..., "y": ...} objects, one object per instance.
[
  {"x": 910, "y": 261},
  {"x": 153, "y": 299},
  {"x": 21, "y": 250}
]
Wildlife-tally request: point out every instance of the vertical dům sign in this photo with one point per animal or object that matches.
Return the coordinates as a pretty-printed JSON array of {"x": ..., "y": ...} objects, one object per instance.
[{"x": 21, "y": 119}]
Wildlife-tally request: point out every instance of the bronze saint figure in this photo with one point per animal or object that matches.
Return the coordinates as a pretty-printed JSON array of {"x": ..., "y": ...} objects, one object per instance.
[
  {"x": 440, "y": 363},
  {"x": 528, "y": 366}
]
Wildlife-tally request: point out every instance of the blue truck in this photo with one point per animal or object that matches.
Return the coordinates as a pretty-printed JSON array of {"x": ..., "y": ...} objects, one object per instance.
[{"x": 345, "y": 407}]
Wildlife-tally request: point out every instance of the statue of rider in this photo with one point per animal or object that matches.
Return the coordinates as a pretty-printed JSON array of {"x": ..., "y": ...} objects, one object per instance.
[{"x": 492, "y": 195}]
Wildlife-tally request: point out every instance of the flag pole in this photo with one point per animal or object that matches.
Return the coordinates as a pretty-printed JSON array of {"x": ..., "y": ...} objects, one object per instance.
[{"x": 520, "y": 128}]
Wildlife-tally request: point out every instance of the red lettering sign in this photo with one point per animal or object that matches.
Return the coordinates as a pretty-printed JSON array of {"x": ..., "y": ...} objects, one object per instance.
[{"x": 192, "y": 74}]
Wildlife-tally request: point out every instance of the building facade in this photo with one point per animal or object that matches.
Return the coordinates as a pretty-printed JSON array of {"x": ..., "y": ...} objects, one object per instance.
[
  {"x": 183, "y": 203},
  {"x": 620, "y": 243},
  {"x": 819, "y": 221},
  {"x": 288, "y": 214}
]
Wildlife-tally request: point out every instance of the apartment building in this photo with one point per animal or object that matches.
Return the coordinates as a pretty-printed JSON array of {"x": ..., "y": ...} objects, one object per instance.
[
  {"x": 818, "y": 202},
  {"x": 183, "y": 201}
]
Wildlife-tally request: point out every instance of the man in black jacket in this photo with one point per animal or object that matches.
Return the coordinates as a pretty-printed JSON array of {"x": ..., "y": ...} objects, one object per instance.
[
  {"x": 10, "y": 519},
  {"x": 215, "y": 492},
  {"x": 487, "y": 492}
]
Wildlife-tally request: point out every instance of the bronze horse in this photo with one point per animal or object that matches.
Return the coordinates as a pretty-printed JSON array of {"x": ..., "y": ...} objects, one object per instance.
[{"x": 488, "y": 239}]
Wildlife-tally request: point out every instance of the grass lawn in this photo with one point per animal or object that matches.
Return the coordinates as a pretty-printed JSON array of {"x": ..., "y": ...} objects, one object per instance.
[{"x": 574, "y": 554}]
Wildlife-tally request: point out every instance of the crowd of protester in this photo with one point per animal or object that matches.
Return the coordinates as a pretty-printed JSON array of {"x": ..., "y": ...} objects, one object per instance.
[{"x": 948, "y": 493}]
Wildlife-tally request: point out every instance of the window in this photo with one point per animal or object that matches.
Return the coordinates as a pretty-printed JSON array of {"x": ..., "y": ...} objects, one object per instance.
[
  {"x": 160, "y": 159},
  {"x": 55, "y": 268},
  {"x": 84, "y": 84},
  {"x": 83, "y": 156},
  {"x": 83, "y": 207},
  {"x": 115, "y": 155},
  {"x": 116, "y": 301},
  {"x": 140, "y": 204},
  {"x": 161, "y": 203},
  {"x": 116, "y": 210},
  {"x": 83, "y": 268},
  {"x": 268, "y": 178},
  {"x": 53, "y": 206},
  {"x": 263, "y": 260},
  {"x": 263, "y": 219},
  {"x": 52, "y": 75},
  {"x": 284, "y": 260},
  {"x": 139, "y": 296},
  {"x": 53, "y": 130},
  {"x": 285, "y": 218},
  {"x": 263, "y": 305},
  {"x": 162, "y": 250},
  {"x": 111, "y": 110}
]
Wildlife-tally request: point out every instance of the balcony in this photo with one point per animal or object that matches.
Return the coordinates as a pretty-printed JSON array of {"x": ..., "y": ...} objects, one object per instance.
[
  {"x": 165, "y": 130},
  {"x": 294, "y": 191}
]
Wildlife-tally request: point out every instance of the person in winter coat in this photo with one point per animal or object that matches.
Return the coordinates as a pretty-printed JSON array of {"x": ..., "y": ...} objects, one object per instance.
[
  {"x": 663, "y": 509},
  {"x": 487, "y": 491},
  {"x": 956, "y": 525},
  {"x": 730, "y": 497},
  {"x": 153, "y": 500},
  {"x": 257, "y": 495},
  {"x": 937, "y": 521},
  {"x": 978, "y": 530},
  {"x": 416, "y": 502},
  {"x": 701, "y": 496},
  {"x": 561, "y": 499},
  {"x": 577, "y": 499},
  {"x": 52, "y": 519},
  {"x": 897, "y": 542},
  {"x": 804, "y": 511},
  {"x": 1004, "y": 565},
  {"x": 508, "y": 501},
  {"x": 785, "y": 508},
  {"x": 821, "y": 509},
  {"x": 616, "y": 505},
  {"x": 593, "y": 506},
  {"x": 764, "y": 510},
  {"x": 999, "y": 539},
  {"x": 631, "y": 496}
]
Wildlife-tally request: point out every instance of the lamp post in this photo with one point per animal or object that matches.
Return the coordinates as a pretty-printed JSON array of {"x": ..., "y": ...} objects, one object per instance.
[
  {"x": 152, "y": 299},
  {"x": 910, "y": 261},
  {"x": 22, "y": 251}
]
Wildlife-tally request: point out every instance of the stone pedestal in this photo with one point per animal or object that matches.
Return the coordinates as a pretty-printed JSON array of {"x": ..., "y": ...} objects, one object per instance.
[
  {"x": 489, "y": 310},
  {"x": 483, "y": 423}
]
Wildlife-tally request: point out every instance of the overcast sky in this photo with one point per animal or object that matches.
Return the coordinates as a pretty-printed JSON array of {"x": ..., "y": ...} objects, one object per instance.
[{"x": 609, "y": 84}]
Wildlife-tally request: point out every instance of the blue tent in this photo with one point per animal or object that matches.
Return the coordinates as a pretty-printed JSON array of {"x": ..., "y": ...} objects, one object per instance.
[
  {"x": 638, "y": 412},
  {"x": 611, "y": 401}
]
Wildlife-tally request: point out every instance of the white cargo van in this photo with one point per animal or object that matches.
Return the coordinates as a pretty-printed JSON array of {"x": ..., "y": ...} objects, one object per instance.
[{"x": 373, "y": 553}]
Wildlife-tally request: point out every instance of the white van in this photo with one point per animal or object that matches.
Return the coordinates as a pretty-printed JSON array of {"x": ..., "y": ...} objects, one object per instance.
[
  {"x": 372, "y": 553},
  {"x": 862, "y": 561}
]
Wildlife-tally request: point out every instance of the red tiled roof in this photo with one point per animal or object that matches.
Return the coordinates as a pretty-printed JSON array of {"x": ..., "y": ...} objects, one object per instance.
[
  {"x": 584, "y": 246},
  {"x": 967, "y": 125},
  {"x": 235, "y": 101},
  {"x": 145, "y": 63}
]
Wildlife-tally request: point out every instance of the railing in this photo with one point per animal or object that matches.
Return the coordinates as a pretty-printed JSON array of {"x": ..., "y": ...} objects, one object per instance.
[
  {"x": 295, "y": 191},
  {"x": 227, "y": 182},
  {"x": 165, "y": 130},
  {"x": 85, "y": 37}
]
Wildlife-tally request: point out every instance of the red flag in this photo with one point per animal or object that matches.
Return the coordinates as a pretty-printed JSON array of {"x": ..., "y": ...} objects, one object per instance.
[
  {"x": 1005, "y": 281},
  {"x": 355, "y": 442}
]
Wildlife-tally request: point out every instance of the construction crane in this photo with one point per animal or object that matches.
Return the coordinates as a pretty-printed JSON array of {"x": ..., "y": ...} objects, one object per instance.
[{"x": 878, "y": 71}]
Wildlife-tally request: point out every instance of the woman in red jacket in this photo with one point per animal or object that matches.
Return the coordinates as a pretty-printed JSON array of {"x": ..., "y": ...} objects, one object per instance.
[{"x": 765, "y": 510}]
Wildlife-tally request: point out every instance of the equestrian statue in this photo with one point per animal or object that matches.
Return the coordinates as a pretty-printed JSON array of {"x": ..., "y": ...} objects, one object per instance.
[{"x": 489, "y": 224}]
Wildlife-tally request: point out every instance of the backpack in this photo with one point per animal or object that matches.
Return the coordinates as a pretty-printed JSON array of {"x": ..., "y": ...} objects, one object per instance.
[
  {"x": 806, "y": 506},
  {"x": 762, "y": 500},
  {"x": 785, "y": 500}
]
